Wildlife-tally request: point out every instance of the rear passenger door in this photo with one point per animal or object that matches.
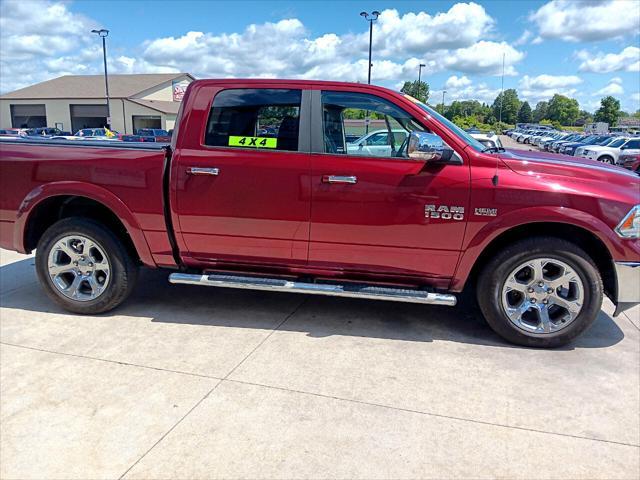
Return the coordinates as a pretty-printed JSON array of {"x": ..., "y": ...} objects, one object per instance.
[{"x": 243, "y": 192}]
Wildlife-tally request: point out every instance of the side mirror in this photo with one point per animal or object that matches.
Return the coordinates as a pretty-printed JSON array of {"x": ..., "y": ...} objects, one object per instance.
[{"x": 427, "y": 147}]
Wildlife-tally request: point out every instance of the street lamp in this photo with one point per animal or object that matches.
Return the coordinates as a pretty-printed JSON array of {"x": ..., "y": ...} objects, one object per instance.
[
  {"x": 370, "y": 18},
  {"x": 443, "y": 92},
  {"x": 103, "y": 33},
  {"x": 419, "y": 82}
]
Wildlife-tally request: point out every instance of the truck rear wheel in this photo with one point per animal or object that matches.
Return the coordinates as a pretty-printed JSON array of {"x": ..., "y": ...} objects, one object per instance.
[
  {"x": 84, "y": 267},
  {"x": 540, "y": 292}
]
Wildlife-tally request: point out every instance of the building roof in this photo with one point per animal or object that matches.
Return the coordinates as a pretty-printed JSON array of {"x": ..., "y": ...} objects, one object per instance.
[
  {"x": 159, "y": 105},
  {"x": 92, "y": 86}
]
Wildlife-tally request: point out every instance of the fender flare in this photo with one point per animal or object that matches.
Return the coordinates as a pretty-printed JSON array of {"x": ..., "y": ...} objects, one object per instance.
[
  {"x": 529, "y": 216},
  {"x": 87, "y": 190}
]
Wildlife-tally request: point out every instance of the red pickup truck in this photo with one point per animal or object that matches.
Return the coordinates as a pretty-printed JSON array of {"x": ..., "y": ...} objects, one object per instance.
[{"x": 259, "y": 189}]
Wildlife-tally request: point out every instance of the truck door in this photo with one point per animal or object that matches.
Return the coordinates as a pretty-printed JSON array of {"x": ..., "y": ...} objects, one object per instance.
[
  {"x": 242, "y": 194},
  {"x": 381, "y": 212}
]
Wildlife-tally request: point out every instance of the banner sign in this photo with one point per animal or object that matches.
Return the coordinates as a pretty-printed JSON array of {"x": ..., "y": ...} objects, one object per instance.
[{"x": 179, "y": 87}]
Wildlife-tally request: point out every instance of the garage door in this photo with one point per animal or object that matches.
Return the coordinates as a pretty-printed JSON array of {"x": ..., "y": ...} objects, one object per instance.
[
  {"x": 28, "y": 116},
  {"x": 88, "y": 116}
]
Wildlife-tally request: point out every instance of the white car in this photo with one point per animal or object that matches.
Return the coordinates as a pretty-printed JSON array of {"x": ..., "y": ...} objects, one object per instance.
[
  {"x": 490, "y": 139},
  {"x": 611, "y": 152},
  {"x": 376, "y": 143},
  {"x": 580, "y": 151}
]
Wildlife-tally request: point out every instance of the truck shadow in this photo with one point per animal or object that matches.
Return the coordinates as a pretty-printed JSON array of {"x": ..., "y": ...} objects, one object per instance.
[{"x": 155, "y": 299}]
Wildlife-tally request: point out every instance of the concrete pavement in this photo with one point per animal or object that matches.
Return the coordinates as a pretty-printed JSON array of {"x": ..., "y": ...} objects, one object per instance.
[{"x": 196, "y": 382}]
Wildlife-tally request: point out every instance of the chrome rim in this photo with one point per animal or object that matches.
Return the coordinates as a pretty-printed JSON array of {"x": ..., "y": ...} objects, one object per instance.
[
  {"x": 79, "y": 268},
  {"x": 542, "y": 296}
]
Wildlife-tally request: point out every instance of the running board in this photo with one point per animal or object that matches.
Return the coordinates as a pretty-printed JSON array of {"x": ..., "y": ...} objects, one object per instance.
[{"x": 343, "y": 290}]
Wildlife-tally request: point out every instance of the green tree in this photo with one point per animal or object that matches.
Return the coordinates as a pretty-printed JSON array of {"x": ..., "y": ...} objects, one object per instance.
[
  {"x": 540, "y": 112},
  {"x": 563, "y": 109},
  {"x": 583, "y": 118},
  {"x": 417, "y": 90},
  {"x": 509, "y": 103},
  {"x": 609, "y": 111},
  {"x": 524, "y": 114}
]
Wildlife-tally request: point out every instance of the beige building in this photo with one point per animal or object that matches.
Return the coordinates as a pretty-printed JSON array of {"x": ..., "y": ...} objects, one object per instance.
[{"x": 73, "y": 102}]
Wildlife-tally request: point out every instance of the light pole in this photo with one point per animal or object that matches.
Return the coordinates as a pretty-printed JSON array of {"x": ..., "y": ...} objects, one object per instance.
[
  {"x": 419, "y": 75},
  {"x": 443, "y": 92},
  {"x": 374, "y": 16},
  {"x": 103, "y": 33}
]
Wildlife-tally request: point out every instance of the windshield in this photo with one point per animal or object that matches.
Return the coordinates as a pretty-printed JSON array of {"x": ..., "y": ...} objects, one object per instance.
[
  {"x": 617, "y": 143},
  {"x": 475, "y": 144}
]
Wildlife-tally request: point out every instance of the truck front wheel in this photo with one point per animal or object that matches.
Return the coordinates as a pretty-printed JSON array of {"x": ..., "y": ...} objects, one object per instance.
[
  {"x": 540, "y": 292},
  {"x": 84, "y": 267}
]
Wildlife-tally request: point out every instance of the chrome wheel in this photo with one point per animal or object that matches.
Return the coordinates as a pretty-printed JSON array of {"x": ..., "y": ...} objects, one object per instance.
[
  {"x": 79, "y": 268},
  {"x": 542, "y": 296}
]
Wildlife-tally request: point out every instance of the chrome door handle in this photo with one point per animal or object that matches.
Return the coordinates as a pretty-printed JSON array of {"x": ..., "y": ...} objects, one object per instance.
[
  {"x": 351, "y": 179},
  {"x": 203, "y": 171}
]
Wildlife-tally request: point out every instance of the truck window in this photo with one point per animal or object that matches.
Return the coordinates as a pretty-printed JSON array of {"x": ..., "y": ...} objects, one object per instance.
[
  {"x": 258, "y": 118},
  {"x": 381, "y": 127}
]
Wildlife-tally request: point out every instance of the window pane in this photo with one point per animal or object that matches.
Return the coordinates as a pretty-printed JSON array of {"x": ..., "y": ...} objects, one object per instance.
[
  {"x": 362, "y": 124},
  {"x": 255, "y": 118}
]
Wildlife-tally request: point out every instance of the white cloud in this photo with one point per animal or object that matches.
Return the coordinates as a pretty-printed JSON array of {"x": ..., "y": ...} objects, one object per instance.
[
  {"x": 523, "y": 39},
  {"x": 543, "y": 87},
  {"x": 484, "y": 57},
  {"x": 627, "y": 60},
  {"x": 41, "y": 40},
  {"x": 614, "y": 87},
  {"x": 580, "y": 21},
  {"x": 455, "y": 82}
]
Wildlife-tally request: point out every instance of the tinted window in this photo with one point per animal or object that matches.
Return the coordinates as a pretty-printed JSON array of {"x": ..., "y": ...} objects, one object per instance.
[
  {"x": 633, "y": 144},
  {"x": 255, "y": 118},
  {"x": 381, "y": 124}
]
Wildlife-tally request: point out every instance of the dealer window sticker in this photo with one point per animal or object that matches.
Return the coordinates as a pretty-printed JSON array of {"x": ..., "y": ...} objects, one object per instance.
[{"x": 257, "y": 142}]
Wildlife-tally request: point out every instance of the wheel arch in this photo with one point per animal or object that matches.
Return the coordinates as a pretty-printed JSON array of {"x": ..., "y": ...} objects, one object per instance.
[
  {"x": 48, "y": 204},
  {"x": 594, "y": 246}
]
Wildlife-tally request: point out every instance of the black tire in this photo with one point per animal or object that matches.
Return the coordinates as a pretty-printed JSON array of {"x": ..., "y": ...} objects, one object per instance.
[
  {"x": 496, "y": 271},
  {"x": 123, "y": 273},
  {"x": 607, "y": 159}
]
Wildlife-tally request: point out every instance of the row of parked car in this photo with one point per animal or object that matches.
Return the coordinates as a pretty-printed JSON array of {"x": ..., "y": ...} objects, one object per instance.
[
  {"x": 141, "y": 135},
  {"x": 609, "y": 148}
]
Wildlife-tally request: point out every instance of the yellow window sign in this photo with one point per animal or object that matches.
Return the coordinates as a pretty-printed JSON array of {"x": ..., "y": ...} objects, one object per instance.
[{"x": 257, "y": 142}]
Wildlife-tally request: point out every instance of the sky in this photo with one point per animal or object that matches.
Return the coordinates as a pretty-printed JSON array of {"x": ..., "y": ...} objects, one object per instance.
[{"x": 583, "y": 49}]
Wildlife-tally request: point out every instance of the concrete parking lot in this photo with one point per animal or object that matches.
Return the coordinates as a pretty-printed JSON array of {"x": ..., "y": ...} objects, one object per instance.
[
  {"x": 195, "y": 382},
  {"x": 508, "y": 142}
]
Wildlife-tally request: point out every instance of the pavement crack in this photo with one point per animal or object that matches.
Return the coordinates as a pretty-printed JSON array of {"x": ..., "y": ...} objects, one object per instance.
[
  {"x": 431, "y": 414},
  {"x": 295, "y": 310},
  {"x": 277, "y": 327},
  {"x": 197, "y": 404},
  {"x": 117, "y": 362}
]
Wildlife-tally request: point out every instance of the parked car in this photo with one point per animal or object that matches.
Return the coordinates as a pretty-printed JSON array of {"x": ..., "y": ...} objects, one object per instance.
[
  {"x": 610, "y": 153},
  {"x": 490, "y": 140},
  {"x": 12, "y": 132},
  {"x": 98, "y": 134},
  {"x": 377, "y": 142},
  {"x": 579, "y": 152},
  {"x": 222, "y": 207},
  {"x": 160, "y": 135},
  {"x": 630, "y": 161},
  {"x": 555, "y": 146},
  {"x": 553, "y": 137},
  {"x": 44, "y": 131},
  {"x": 570, "y": 147}
]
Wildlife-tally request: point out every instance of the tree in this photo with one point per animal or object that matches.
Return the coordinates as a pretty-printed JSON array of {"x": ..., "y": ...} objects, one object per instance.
[
  {"x": 609, "y": 111},
  {"x": 524, "y": 114},
  {"x": 509, "y": 103},
  {"x": 583, "y": 118},
  {"x": 563, "y": 109},
  {"x": 417, "y": 90},
  {"x": 540, "y": 112}
]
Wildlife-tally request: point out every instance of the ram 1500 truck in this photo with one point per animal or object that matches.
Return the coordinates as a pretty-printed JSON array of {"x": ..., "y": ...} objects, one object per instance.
[{"x": 258, "y": 190}]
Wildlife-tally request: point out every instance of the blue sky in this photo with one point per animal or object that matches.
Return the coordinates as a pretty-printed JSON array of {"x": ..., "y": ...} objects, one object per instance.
[{"x": 582, "y": 49}]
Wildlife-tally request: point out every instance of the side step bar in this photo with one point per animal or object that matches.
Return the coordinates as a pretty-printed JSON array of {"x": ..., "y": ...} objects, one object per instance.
[{"x": 346, "y": 290}]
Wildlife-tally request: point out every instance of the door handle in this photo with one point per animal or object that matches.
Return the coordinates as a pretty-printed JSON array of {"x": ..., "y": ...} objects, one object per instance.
[
  {"x": 350, "y": 179},
  {"x": 203, "y": 171}
]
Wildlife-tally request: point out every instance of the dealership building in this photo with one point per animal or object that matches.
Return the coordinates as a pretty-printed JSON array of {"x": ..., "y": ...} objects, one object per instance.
[{"x": 73, "y": 102}]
